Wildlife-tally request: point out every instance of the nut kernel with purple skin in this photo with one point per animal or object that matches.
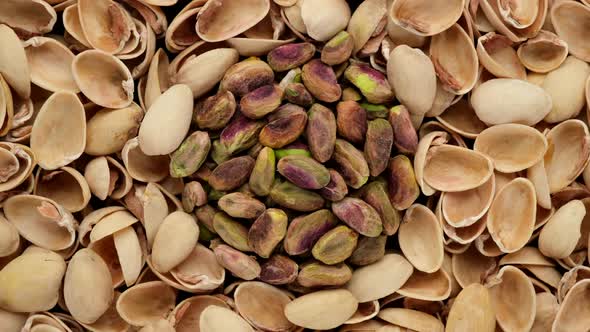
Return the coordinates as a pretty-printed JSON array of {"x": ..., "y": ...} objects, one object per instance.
[
  {"x": 205, "y": 216},
  {"x": 335, "y": 246},
  {"x": 290, "y": 196},
  {"x": 190, "y": 155},
  {"x": 290, "y": 56},
  {"x": 304, "y": 231},
  {"x": 284, "y": 126},
  {"x": 378, "y": 145},
  {"x": 267, "y": 231},
  {"x": 261, "y": 101},
  {"x": 404, "y": 133},
  {"x": 401, "y": 180},
  {"x": 298, "y": 94},
  {"x": 321, "y": 81},
  {"x": 336, "y": 189},
  {"x": 279, "y": 270},
  {"x": 231, "y": 174},
  {"x": 239, "y": 205},
  {"x": 240, "y": 134},
  {"x": 352, "y": 164},
  {"x": 316, "y": 274},
  {"x": 372, "y": 83},
  {"x": 231, "y": 232},
  {"x": 375, "y": 194},
  {"x": 338, "y": 49},
  {"x": 359, "y": 215},
  {"x": 193, "y": 195},
  {"x": 351, "y": 120},
  {"x": 263, "y": 174},
  {"x": 321, "y": 132},
  {"x": 368, "y": 250},
  {"x": 216, "y": 111},
  {"x": 239, "y": 264},
  {"x": 304, "y": 172},
  {"x": 246, "y": 76}
]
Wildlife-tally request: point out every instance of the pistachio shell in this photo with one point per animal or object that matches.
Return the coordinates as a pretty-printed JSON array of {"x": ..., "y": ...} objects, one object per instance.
[
  {"x": 23, "y": 291},
  {"x": 86, "y": 268},
  {"x": 199, "y": 272},
  {"x": 380, "y": 279},
  {"x": 495, "y": 102},
  {"x": 50, "y": 64},
  {"x": 472, "y": 310},
  {"x": 213, "y": 18},
  {"x": 450, "y": 168},
  {"x": 471, "y": 266},
  {"x": 108, "y": 130},
  {"x": 426, "y": 18},
  {"x": 543, "y": 53},
  {"x": 568, "y": 19},
  {"x": 14, "y": 65},
  {"x": 324, "y": 310},
  {"x": 498, "y": 57},
  {"x": 32, "y": 17},
  {"x": 572, "y": 314},
  {"x": 411, "y": 319},
  {"x": 174, "y": 241},
  {"x": 58, "y": 136},
  {"x": 336, "y": 12},
  {"x": 105, "y": 24},
  {"x": 511, "y": 157},
  {"x": 546, "y": 311},
  {"x": 142, "y": 167},
  {"x": 465, "y": 208},
  {"x": 167, "y": 121},
  {"x": 420, "y": 238},
  {"x": 513, "y": 298},
  {"x": 9, "y": 238},
  {"x": 103, "y": 78},
  {"x": 410, "y": 71},
  {"x": 129, "y": 253},
  {"x": 365, "y": 21},
  {"x": 145, "y": 303},
  {"x": 188, "y": 312},
  {"x": 219, "y": 319},
  {"x": 461, "y": 118},
  {"x": 434, "y": 286},
  {"x": 565, "y": 226},
  {"x": 263, "y": 306},
  {"x": 66, "y": 187}
]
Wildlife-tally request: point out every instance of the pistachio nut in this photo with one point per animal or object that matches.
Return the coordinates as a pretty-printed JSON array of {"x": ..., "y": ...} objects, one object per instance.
[
  {"x": 215, "y": 111},
  {"x": 298, "y": 94},
  {"x": 405, "y": 137},
  {"x": 336, "y": 189},
  {"x": 193, "y": 195},
  {"x": 372, "y": 83},
  {"x": 246, "y": 76},
  {"x": 284, "y": 126},
  {"x": 231, "y": 174},
  {"x": 267, "y": 231},
  {"x": 239, "y": 205},
  {"x": 263, "y": 173},
  {"x": 338, "y": 49},
  {"x": 304, "y": 231},
  {"x": 240, "y": 134},
  {"x": 401, "y": 180},
  {"x": 190, "y": 155},
  {"x": 368, "y": 250},
  {"x": 261, "y": 101},
  {"x": 236, "y": 262},
  {"x": 321, "y": 132},
  {"x": 279, "y": 270},
  {"x": 335, "y": 246},
  {"x": 316, "y": 274},
  {"x": 304, "y": 172},
  {"x": 378, "y": 144},
  {"x": 352, "y": 164},
  {"x": 376, "y": 194},
  {"x": 359, "y": 215},
  {"x": 293, "y": 197},
  {"x": 351, "y": 121},
  {"x": 321, "y": 81},
  {"x": 286, "y": 57},
  {"x": 231, "y": 231}
]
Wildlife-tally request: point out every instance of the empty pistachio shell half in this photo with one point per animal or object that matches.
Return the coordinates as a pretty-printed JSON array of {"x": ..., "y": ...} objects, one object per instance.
[
  {"x": 472, "y": 310},
  {"x": 418, "y": 228},
  {"x": 330, "y": 309},
  {"x": 426, "y": 18},
  {"x": 565, "y": 226},
  {"x": 174, "y": 241},
  {"x": 213, "y": 17},
  {"x": 156, "y": 301},
  {"x": 218, "y": 319},
  {"x": 263, "y": 306},
  {"x": 14, "y": 68}
]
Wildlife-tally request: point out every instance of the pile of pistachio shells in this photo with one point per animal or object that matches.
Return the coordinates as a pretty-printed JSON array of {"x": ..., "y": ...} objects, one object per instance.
[{"x": 294, "y": 165}]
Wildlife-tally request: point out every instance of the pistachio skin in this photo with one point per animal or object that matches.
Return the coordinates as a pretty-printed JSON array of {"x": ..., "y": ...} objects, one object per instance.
[
  {"x": 231, "y": 174},
  {"x": 246, "y": 76},
  {"x": 287, "y": 57},
  {"x": 321, "y": 132},
  {"x": 372, "y": 83},
  {"x": 359, "y": 215},
  {"x": 263, "y": 173},
  {"x": 216, "y": 111},
  {"x": 378, "y": 145},
  {"x": 338, "y": 49},
  {"x": 351, "y": 121},
  {"x": 320, "y": 79},
  {"x": 335, "y": 246},
  {"x": 304, "y": 172},
  {"x": 279, "y": 270},
  {"x": 190, "y": 155},
  {"x": 267, "y": 231},
  {"x": 304, "y": 231},
  {"x": 284, "y": 126}
]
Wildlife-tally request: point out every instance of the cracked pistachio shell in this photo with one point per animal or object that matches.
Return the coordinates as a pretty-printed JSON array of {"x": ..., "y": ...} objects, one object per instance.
[
  {"x": 304, "y": 172},
  {"x": 263, "y": 173},
  {"x": 50, "y": 63},
  {"x": 279, "y": 270},
  {"x": 231, "y": 174},
  {"x": 108, "y": 130},
  {"x": 566, "y": 86},
  {"x": 232, "y": 232},
  {"x": 239, "y": 264},
  {"x": 176, "y": 237},
  {"x": 421, "y": 239},
  {"x": 263, "y": 306},
  {"x": 58, "y": 136},
  {"x": 369, "y": 250},
  {"x": 142, "y": 167},
  {"x": 335, "y": 246},
  {"x": 146, "y": 303},
  {"x": 401, "y": 180},
  {"x": 351, "y": 121},
  {"x": 284, "y": 126},
  {"x": 290, "y": 196},
  {"x": 298, "y": 94},
  {"x": 334, "y": 18},
  {"x": 543, "y": 53},
  {"x": 426, "y": 18},
  {"x": 203, "y": 72},
  {"x": 240, "y": 134},
  {"x": 219, "y": 319},
  {"x": 167, "y": 121},
  {"x": 267, "y": 231},
  {"x": 105, "y": 25},
  {"x": 505, "y": 100},
  {"x": 66, "y": 186},
  {"x": 103, "y": 78},
  {"x": 569, "y": 19},
  {"x": 261, "y": 101},
  {"x": 411, "y": 75},
  {"x": 160, "y": 325},
  {"x": 513, "y": 299},
  {"x": 561, "y": 233},
  {"x": 9, "y": 238},
  {"x": 378, "y": 144},
  {"x": 246, "y": 76},
  {"x": 405, "y": 136},
  {"x": 13, "y": 61},
  {"x": 472, "y": 310},
  {"x": 21, "y": 290},
  {"x": 365, "y": 20},
  {"x": 304, "y": 231},
  {"x": 380, "y": 279},
  {"x": 352, "y": 164},
  {"x": 375, "y": 194},
  {"x": 321, "y": 132},
  {"x": 316, "y": 274},
  {"x": 321, "y": 81},
  {"x": 573, "y": 311},
  {"x": 88, "y": 289},
  {"x": 215, "y": 111},
  {"x": 412, "y": 320},
  {"x": 500, "y": 144},
  {"x": 338, "y": 49},
  {"x": 290, "y": 56},
  {"x": 372, "y": 83},
  {"x": 359, "y": 215},
  {"x": 190, "y": 155},
  {"x": 498, "y": 57},
  {"x": 336, "y": 189},
  {"x": 199, "y": 272},
  {"x": 239, "y": 205},
  {"x": 220, "y": 20},
  {"x": 323, "y": 310}
]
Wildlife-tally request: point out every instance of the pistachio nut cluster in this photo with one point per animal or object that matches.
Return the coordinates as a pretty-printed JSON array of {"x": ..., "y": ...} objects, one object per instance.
[{"x": 294, "y": 165}]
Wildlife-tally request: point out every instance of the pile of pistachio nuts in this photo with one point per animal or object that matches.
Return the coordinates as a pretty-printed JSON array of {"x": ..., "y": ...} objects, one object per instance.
[{"x": 294, "y": 165}]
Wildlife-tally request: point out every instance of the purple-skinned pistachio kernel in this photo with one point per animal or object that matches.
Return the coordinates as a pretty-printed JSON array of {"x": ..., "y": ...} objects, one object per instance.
[
  {"x": 290, "y": 196},
  {"x": 246, "y": 76},
  {"x": 267, "y": 231},
  {"x": 351, "y": 121},
  {"x": 290, "y": 56},
  {"x": 215, "y": 111},
  {"x": 231, "y": 174},
  {"x": 375, "y": 193},
  {"x": 359, "y": 215},
  {"x": 338, "y": 49},
  {"x": 352, "y": 164},
  {"x": 371, "y": 82},
  {"x": 304, "y": 172},
  {"x": 239, "y": 205},
  {"x": 239, "y": 264},
  {"x": 336, "y": 245},
  {"x": 378, "y": 145},
  {"x": 304, "y": 231},
  {"x": 231, "y": 232},
  {"x": 262, "y": 101},
  {"x": 401, "y": 181},
  {"x": 404, "y": 133},
  {"x": 298, "y": 94},
  {"x": 279, "y": 270},
  {"x": 336, "y": 189},
  {"x": 321, "y": 132},
  {"x": 321, "y": 81},
  {"x": 316, "y": 274},
  {"x": 284, "y": 126}
]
